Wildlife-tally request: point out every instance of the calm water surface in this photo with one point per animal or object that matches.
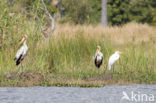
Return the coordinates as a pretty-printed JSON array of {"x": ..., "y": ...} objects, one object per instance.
[{"x": 106, "y": 94}]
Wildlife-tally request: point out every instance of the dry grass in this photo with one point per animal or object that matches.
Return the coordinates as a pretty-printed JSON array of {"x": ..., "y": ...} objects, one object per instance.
[{"x": 119, "y": 35}]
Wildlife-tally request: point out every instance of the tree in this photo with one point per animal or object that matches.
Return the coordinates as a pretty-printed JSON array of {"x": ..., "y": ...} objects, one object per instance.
[
  {"x": 140, "y": 11},
  {"x": 153, "y": 8},
  {"x": 118, "y": 11},
  {"x": 76, "y": 11},
  {"x": 104, "y": 13}
]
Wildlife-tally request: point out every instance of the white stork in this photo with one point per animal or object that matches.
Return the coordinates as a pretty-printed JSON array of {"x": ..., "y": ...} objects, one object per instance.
[
  {"x": 21, "y": 53},
  {"x": 113, "y": 59},
  {"x": 98, "y": 58}
]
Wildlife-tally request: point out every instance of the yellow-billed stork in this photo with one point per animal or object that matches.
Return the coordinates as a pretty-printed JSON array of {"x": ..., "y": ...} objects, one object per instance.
[
  {"x": 113, "y": 58},
  {"x": 98, "y": 58},
  {"x": 21, "y": 53}
]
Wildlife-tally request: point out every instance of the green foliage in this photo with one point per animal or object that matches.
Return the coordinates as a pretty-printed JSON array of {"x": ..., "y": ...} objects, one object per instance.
[
  {"x": 153, "y": 7},
  {"x": 118, "y": 11},
  {"x": 140, "y": 11},
  {"x": 89, "y": 11},
  {"x": 95, "y": 15},
  {"x": 81, "y": 11},
  {"x": 77, "y": 11}
]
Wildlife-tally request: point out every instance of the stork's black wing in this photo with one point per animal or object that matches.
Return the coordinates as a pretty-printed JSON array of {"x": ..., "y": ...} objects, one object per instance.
[
  {"x": 98, "y": 64},
  {"x": 18, "y": 60}
]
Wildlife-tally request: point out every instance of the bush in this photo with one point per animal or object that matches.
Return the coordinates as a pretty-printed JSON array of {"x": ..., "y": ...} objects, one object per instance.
[{"x": 77, "y": 11}]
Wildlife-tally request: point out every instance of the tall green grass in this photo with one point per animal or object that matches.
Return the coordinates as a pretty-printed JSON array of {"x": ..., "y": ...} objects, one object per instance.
[{"x": 72, "y": 58}]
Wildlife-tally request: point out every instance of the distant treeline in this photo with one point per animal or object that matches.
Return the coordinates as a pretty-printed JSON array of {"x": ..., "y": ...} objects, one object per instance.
[
  {"x": 119, "y": 11},
  {"x": 89, "y": 11}
]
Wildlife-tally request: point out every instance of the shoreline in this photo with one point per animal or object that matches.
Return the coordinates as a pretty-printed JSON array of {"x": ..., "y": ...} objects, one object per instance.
[{"x": 30, "y": 79}]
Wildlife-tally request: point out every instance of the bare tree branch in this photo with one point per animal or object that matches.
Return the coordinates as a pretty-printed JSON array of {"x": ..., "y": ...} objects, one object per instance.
[{"x": 51, "y": 18}]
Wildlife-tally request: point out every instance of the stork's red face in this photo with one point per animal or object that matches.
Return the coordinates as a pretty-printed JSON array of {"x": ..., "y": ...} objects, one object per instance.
[
  {"x": 98, "y": 49},
  {"x": 24, "y": 38}
]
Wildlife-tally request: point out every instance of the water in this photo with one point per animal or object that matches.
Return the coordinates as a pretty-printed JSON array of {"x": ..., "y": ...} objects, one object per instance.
[{"x": 106, "y": 94}]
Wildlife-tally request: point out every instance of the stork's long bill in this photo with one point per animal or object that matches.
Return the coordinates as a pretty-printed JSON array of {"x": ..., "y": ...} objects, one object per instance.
[
  {"x": 24, "y": 38},
  {"x": 97, "y": 50}
]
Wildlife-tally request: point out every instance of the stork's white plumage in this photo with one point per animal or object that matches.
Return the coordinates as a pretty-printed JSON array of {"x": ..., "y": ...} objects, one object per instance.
[
  {"x": 21, "y": 53},
  {"x": 98, "y": 58},
  {"x": 113, "y": 59}
]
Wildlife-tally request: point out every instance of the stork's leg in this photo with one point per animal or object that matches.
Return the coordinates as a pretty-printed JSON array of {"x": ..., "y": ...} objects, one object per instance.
[
  {"x": 21, "y": 65},
  {"x": 98, "y": 70},
  {"x": 113, "y": 70},
  {"x": 105, "y": 69}
]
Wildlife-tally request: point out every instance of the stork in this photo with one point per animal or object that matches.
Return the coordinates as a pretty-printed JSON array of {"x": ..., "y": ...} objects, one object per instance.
[
  {"x": 21, "y": 53},
  {"x": 98, "y": 58},
  {"x": 113, "y": 58}
]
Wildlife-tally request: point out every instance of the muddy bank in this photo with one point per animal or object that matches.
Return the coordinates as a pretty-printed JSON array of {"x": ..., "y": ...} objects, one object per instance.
[{"x": 26, "y": 79}]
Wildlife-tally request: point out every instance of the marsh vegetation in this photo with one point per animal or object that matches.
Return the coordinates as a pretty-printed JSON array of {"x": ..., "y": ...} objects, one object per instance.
[{"x": 66, "y": 59}]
